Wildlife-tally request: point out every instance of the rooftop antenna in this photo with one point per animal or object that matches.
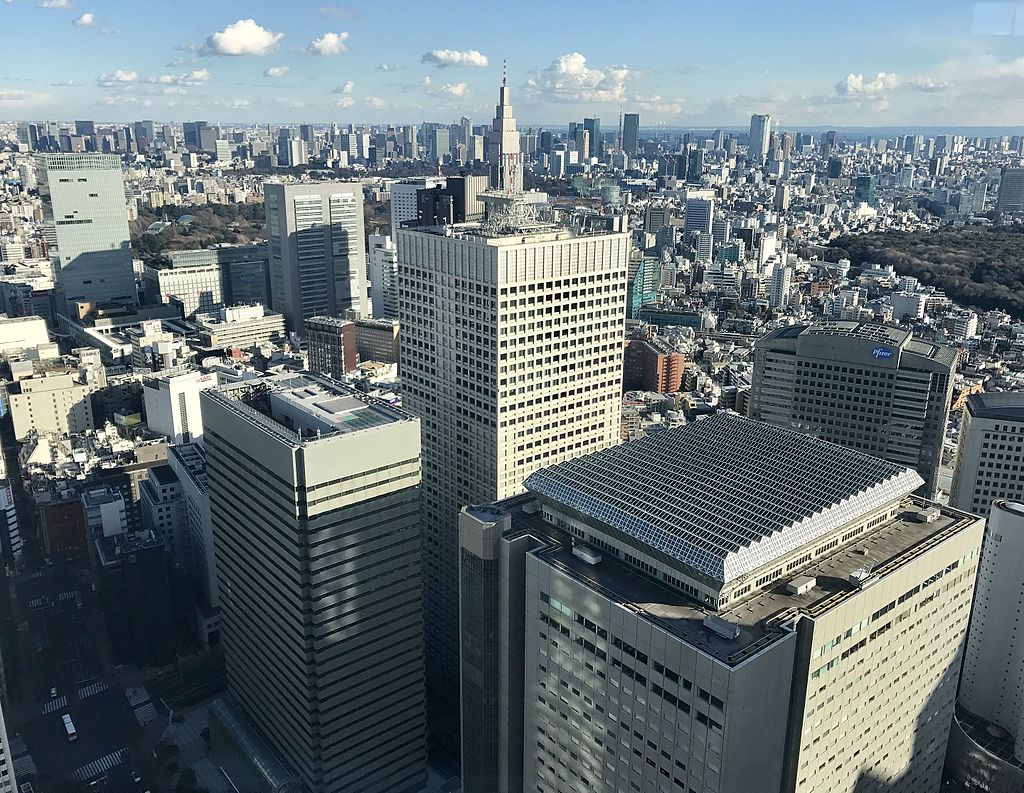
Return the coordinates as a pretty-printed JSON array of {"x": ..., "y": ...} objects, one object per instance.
[
  {"x": 504, "y": 72},
  {"x": 618, "y": 142}
]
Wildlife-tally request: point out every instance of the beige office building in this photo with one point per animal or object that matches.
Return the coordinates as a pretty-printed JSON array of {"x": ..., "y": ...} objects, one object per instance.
[
  {"x": 51, "y": 404},
  {"x": 511, "y": 356},
  {"x": 725, "y": 607}
]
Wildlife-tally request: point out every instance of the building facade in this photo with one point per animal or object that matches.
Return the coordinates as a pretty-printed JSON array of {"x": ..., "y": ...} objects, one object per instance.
[
  {"x": 511, "y": 356},
  {"x": 86, "y": 223},
  {"x": 317, "y": 255},
  {"x": 314, "y": 502},
  {"x": 331, "y": 346},
  {"x": 194, "y": 288},
  {"x": 378, "y": 340},
  {"x": 990, "y": 452},
  {"x": 869, "y": 387},
  {"x": 172, "y": 404},
  {"x": 612, "y": 641},
  {"x": 382, "y": 256},
  {"x": 53, "y": 404}
]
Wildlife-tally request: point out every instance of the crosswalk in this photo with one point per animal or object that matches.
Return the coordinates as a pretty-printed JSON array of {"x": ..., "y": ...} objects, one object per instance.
[
  {"x": 70, "y": 595},
  {"x": 54, "y": 704},
  {"x": 92, "y": 688},
  {"x": 97, "y": 767},
  {"x": 144, "y": 714}
]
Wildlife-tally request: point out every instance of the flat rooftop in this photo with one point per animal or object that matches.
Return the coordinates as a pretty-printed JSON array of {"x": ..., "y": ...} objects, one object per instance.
[
  {"x": 761, "y": 618},
  {"x": 1006, "y": 405},
  {"x": 724, "y": 495},
  {"x": 303, "y": 407}
]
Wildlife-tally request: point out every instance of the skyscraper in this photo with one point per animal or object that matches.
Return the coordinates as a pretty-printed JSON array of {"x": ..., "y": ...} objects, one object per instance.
[
  {"x": 631, "y": 133},
  {"x": 991, "y": 449},
  {"x": 314, "y": 503},
  {"x": 699, "y": 215},
  {"x": 511, "y": 356},
  {"x": 382, "y": 258},
  {"x": 726, "y": 606},
  {"x": 987, "y": 746},
  {"x": 869, "y": 387},
  {"x": 317, "y": 258},
  {"x": 864, "y": 190},
  {"x": 403, "y": 199},
  {"x": 593, "y": 126},
  {"x": 503, "y": 153},
  {"x": 1011, "y": 190},
  {"x": 760, "y": 130},
  {"x": 86, "y": 224}
]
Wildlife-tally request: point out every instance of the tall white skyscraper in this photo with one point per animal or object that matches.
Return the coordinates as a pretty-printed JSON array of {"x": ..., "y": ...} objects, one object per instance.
[
  {"x": 511, "y": 356},
  {"x": 760, "y": 129},
  {"x": 86, "y": 224},
  {"x": 317, "y": 258},
  {"x": 314, "y": 502},
  {"x": 503, "y": 153},
  {"x": 782, "y": 279},
  {"x": 403, "y": 199},
  {"x": 383, "y": 269}
]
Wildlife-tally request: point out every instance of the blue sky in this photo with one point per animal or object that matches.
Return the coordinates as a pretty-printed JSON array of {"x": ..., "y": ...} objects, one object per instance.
[{"x": 868, "y": 63}]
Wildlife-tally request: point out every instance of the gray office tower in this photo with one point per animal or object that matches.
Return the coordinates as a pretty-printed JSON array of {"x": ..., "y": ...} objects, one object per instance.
[
  {"x": 1010, "y": 197},
  {"x": 990, "y": 455},
  {"x": 314, "y": 501},
  {"x": 317, "y": 250},
  {"x": 725, "y": 607},
  {"x": 869, "y": 387},
  {"x": 631, "y": 133},
  {"x": 86, "y": 224}
]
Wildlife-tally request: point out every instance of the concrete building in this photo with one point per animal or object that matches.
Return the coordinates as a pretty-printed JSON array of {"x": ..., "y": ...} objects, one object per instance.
[
  {"x": 986, "y": 748},
  {"x": 172, "y": 404},
  {"x": 700, "y": 213},
  {"x": 86, "y": 223},
  {"x": 317, "y": 256},
  {"x": 18, "y": 334},
  {"x": 990, "y": 452},
  {"x": 1010, "y": 197},
  {"x": 636, "y": 619},
  {"x": 50, "y": 404},
  {"x": 163, "y": 514},
  {"x": 316, "y": 488},
  {"x": 652, "y": 365},
  {"x": 511, "y": 356},
  {"x": 240, "y": 327},
  {"x": 8, "y": 783},
  {"x": 383, "y": 268},
  {"x": 104, "y": 511},
  {"x": 188, "y": 461},
  {"x": 331, "y": 346},
  {"x": 403, "y": 200},
  {"x": 504, "y": 154},
  {"x": 631, "y": 133},
  {"x": 243, "y": 270},
  {"x": 193, "y": 288},
  {"x": 782, "y": 280},
  {"x": 377, "y": 340},
  {"x": 870, "y": 387}
]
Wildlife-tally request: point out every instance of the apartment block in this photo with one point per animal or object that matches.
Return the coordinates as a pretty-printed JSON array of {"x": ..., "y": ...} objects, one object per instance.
[{"x": 990, "y": 454}]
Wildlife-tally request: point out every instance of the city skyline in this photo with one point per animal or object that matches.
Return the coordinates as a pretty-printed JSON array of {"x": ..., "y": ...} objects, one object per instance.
[{"x": 929, "y": 65}]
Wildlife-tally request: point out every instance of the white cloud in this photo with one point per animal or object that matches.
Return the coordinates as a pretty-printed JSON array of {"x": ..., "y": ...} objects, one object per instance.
[
  {"x": 240, "y": 104},
  {"x": 15, "y": 96},
  {"x": 655, "y": 104},
  {"x": 927, "y": 85},
  {"x": 194, "y": 77},
  {"x": 67, "y": 84},
  {"x": 55, "y": 3},
  {"x": 570, "y": 79},
  {"x": 87, "y": 20},
  {"x": 120, "y": 101},
  {"x": 445, "y": 58},
  {"x": 389, "y": 67},
  {"x": 455, "y": 89},
  {"x": 174, "y": 90},
  {"x": 856, "y": 86},
  {"x": 117, "y": 77},
  {"x": 277, "y": 71},
  {"x": 328, "y": 44},
  {"x": 243, "y": 37},
  {"x": 376, "y": 102},
  {"x": 345, "y": 101},
  {"x": 346, "y": 87}
]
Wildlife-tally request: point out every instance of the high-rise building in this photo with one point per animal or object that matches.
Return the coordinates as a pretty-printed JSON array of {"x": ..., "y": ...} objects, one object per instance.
[
  {"x": 511, "y": 356},
  {"x": 782, "y": 279},
  {"x": 593, "y": 126},
  {"x": 194, "y": 288},
  {"x": 331, "y": 346},
  {"x": 86, "y": 224},
  {"x": 314, "y": 502},
  {"x": 172, "y": 404},
  {"x": 864, "y": 190},
  {"x": 8, "y": 784},
  {"x": 1010, "y": 197},
  {"x": 760, "y": 130},
  {"x": 694, "y": 166},
  {"x": 403, "y": 199},
  {"x": 700, "y": 213},
  {"x": 637, "y": 618},
  {"x": 870, "y": 387},
  {"x": 382, "y": 262},
  {"x": 631, "y": 133},
  {"x": 317, "y": 256},
  {"x": 986, "y": 746},
  {"x": 991, "y": 449},
  {"x": 503, "y": 151}
]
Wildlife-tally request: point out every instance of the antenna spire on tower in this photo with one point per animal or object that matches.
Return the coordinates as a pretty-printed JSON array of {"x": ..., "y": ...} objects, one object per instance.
[{"x": 504, "y": 72}]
